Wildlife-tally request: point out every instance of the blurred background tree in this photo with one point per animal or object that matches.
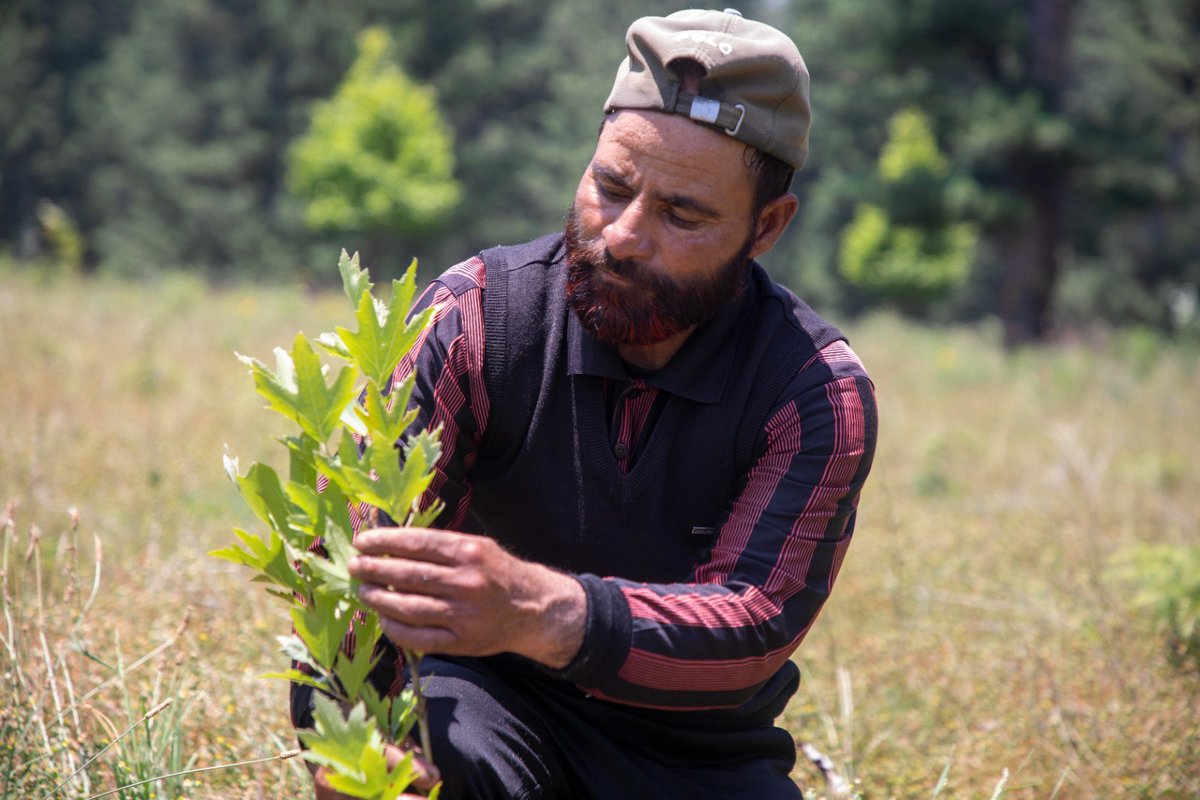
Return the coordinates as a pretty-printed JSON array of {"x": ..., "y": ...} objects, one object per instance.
[
  {"x": 909, "y": 249},
  {"x": 378, "y": 158},
  {"x": 1068, "y": 133}
]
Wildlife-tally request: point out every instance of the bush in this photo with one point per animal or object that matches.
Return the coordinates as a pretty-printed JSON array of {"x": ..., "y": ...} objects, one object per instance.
[{"x": 1167, "y": 578}]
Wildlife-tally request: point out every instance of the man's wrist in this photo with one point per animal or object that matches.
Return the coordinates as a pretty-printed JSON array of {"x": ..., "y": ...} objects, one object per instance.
[{"x": 560, "y": 620}]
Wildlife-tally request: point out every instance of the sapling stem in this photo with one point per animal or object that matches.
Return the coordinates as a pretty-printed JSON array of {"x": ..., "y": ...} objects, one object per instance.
[{"x": 414, "y": 660}]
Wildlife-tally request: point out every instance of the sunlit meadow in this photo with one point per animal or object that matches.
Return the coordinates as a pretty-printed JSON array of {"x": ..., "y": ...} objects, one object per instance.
[{"x": 977, "y": 643}]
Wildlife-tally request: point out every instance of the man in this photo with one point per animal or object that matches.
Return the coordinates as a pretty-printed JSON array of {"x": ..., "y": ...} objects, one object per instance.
[{"x": 652, "y": 455}]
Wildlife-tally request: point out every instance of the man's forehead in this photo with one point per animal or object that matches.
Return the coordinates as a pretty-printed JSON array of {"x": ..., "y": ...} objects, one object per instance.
[{"x": 673, "y": 148}]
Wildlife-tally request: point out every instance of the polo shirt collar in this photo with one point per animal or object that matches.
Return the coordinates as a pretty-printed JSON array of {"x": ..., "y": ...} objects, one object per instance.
[{"x": 698, "y": 372}]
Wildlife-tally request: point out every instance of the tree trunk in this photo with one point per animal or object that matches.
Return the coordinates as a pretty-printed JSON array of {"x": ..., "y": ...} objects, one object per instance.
[
  {"x": 1031, "y": 257},
  {"x": 1031, "y": 267}
]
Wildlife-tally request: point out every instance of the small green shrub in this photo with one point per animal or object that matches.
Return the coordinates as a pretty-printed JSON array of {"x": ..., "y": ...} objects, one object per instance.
[
  {"x": 353, "y": 444},
  {"x": 1167, "y": 581},
  {"x": 909, "y": 250},
  {"x": 378, "y": 155}
]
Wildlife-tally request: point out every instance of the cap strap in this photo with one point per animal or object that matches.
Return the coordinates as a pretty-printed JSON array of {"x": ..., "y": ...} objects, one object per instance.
[{"x": 711, "y": 112}]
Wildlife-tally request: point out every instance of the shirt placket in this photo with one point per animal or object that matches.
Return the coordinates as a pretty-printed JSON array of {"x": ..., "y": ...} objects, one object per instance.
[{"x": 631, "y": 410}]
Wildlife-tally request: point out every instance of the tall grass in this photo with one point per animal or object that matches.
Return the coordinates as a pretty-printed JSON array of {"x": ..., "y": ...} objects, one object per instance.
[{"x": 976, "y": 644}]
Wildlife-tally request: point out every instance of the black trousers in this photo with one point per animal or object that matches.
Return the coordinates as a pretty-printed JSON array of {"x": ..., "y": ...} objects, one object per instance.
[{"x": 512, "y": 733}]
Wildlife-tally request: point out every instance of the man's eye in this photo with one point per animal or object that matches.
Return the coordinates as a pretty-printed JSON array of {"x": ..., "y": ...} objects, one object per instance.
[
  {"x": 609, "y": 192},
  {"x": 680, "y": 222}
]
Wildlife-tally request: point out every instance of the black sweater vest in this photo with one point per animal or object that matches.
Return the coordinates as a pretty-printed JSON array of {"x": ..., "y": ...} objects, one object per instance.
[{"x": 546, "y": 482}]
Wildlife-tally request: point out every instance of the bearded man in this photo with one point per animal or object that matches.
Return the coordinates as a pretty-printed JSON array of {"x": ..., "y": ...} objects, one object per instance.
[{"x": 652, "y": 456}]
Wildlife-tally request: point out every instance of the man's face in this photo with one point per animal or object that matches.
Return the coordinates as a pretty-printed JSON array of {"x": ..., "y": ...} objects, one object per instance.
[{"x": 660, "y": 231}]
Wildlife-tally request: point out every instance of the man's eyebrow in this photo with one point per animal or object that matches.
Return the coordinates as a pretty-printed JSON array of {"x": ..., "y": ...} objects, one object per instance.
[{"x": 680, "y": 201}]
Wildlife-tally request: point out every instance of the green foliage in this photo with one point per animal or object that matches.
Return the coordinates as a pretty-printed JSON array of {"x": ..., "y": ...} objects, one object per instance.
[
  {"x": 911, "y": 148},
  {"x": 912, "y": 264},
  {"x": 352, "y": 747},
  {"x": 1167, "y": 581},
  {"x": 163, "y": 129},
  {"x": 297, "y": 389},
  {"x": 63, "y": 236},
  {"x": 378, "y": 155},
  {"x": 353, "y": 445}
]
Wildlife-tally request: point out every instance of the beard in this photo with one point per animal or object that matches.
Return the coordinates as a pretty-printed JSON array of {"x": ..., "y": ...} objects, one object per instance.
[{"x": 651, "y": 308}]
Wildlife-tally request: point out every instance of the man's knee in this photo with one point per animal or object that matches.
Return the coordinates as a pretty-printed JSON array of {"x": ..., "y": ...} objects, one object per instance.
[{"x": 487, "y": 741}]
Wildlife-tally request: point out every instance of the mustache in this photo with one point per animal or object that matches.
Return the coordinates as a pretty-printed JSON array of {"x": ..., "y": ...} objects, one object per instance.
[
  {"x": 593, "y": 255},
  {"x": 625, "y": 267}
]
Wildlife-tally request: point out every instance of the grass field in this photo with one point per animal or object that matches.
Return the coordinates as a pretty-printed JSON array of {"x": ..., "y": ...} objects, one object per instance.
[{"x": 977, "y": 644}]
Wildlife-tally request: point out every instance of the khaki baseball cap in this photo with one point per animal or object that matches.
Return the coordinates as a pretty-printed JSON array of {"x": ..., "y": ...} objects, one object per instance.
[{"x": 755, "y": 86}]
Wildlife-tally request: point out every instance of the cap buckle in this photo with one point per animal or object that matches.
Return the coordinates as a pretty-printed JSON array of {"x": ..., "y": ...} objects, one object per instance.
[{"x": 734, "y": 130}]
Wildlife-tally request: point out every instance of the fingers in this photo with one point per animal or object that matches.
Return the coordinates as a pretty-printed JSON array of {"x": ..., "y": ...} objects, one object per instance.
[
  {"x": 421, "y": 544},
  {"x": 412, "y": 609},
  {"x": 421, "y": 639},
  {"x": 402, "y": 574},
  {"x": 413, "y": 621},
  {"x": 427, "y": 774}
]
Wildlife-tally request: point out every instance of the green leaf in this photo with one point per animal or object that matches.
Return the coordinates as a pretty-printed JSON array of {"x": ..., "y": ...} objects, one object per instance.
[
  {"x": 293, "y": 647},
  {"x": 401, "y": 715},
  {"x": 271, "y": 558},
  {"x": 332, "y": 343},
  {"x": 322, "y": 625},
  {"x": 355, "y": 281},
  {"x": 379, "y": 343},
  {"x": 296, "y": 676},
  {"x": 352, "y": 672},
  {"x": 420, "y": 455},
  {"x": 351, "y": 473},
  {"x": 353, "y": 749},
  {"x": 331, "y": 572},
  {"x": 302, "y": 468},
  {"x": 339, "y": 742},
  {"x": 388, "y": 418},
  {"x": 377, "y": 476},
  {"x": 316, "y": 512},
  {"x": 297, "y": 389},
  {"x": 262, "y": 491}
]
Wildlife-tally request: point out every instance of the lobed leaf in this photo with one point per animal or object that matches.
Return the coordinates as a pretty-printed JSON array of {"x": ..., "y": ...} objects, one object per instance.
[
  {"x": 384, "y": 336},
  {"x": 322, "y": 624},
  {"x": 297, "y": 389},
  {"x": 270, "y": 558},
  {"x": 355, "y": 281},
  {"x": 353, "y": 749},
  {"x": 388, "y": 418},
  {"x": 293, "y": 647},
  {"x": 296, "y": 676},
  {"x": 352, "y": 671}
]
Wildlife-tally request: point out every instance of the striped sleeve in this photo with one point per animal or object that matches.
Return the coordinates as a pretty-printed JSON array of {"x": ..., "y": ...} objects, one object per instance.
[{"x": 715, "y": 640}]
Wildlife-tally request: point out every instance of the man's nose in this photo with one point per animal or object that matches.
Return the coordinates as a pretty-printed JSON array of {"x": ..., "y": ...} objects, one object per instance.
[{"x": 627, "y": 235}]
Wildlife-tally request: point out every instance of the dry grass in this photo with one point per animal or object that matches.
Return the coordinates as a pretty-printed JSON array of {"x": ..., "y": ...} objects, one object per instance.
[{"x": 974, "y": 632}]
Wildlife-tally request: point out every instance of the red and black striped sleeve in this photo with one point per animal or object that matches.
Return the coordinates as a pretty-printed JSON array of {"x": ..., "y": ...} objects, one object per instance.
[{"x": 715, "y": 640}]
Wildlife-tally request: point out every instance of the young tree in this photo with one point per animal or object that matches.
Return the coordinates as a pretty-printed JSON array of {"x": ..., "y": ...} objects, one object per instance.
[
  {"x": 908, "y": 248},
  {"x": 377, "y": 159}
]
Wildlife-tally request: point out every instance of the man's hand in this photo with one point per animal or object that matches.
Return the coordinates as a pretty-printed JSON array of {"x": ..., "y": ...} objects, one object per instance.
[
  {"x": 457, "y": 594},
  {"x": 427, "y": 777}
]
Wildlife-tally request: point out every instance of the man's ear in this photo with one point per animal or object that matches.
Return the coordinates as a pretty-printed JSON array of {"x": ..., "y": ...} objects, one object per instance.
[{"x": 772, "y": 222}]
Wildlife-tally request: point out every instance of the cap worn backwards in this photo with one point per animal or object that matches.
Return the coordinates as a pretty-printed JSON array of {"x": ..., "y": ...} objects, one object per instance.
[{"x": 755, "y": 84}]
